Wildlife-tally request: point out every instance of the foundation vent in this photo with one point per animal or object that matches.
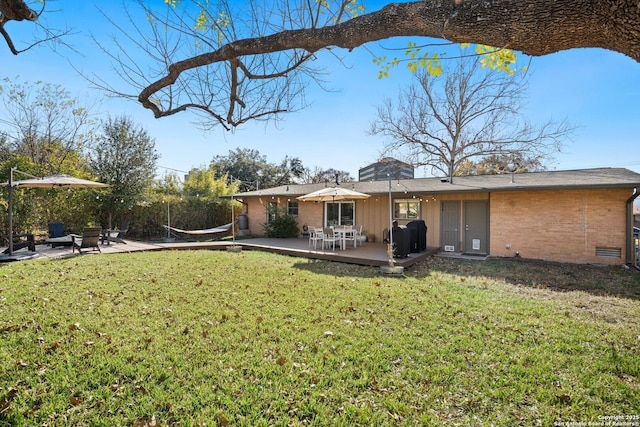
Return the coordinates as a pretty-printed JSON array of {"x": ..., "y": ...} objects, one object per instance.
[{"x": 609, "y": 252}]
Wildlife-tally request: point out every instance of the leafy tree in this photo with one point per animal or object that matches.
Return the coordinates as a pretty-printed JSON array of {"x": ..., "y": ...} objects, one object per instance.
[
  {"x": 253, "y": 170},
  {"x": 45, "y": 124},
  {"x": 497, "y": 164},
  {"x": 202, "y": 183},
  {"x": 463, "y": 115},
  {"x": 33, "y": 208},
  {"x": 125, "y": 158}
]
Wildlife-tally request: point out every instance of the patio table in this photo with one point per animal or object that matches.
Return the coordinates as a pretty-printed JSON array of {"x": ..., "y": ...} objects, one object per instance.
[{"x": 343, "y": 233}]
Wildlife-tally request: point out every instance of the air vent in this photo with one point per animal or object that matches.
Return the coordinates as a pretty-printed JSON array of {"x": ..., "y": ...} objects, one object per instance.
[{"x": 609, "y": 252}]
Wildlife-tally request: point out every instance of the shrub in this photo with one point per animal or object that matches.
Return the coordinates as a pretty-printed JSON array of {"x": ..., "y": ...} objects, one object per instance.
[{"x": 281, "y": 225}]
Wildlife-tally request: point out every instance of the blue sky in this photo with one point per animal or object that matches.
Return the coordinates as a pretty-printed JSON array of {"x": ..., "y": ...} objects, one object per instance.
[{"x": 596, "y": 90}]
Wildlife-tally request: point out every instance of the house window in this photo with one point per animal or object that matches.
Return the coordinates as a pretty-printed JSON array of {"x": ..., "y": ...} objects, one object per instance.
[
  {"x": 406, "y": 209},
  {"x": 292, "y": 208},
  {"x": 339, "y": 213},
  {"x": 272, "y": 211}
]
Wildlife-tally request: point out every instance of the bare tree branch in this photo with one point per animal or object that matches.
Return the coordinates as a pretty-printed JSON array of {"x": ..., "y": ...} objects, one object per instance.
[
  {"x": 18, "y": 10},
  {"x": 535, "y": 27},
  {"x": 466, "y": 114}
]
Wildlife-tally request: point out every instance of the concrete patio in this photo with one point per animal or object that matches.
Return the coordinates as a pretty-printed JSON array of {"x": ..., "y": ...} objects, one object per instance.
[{"x": 371, "y": 254}]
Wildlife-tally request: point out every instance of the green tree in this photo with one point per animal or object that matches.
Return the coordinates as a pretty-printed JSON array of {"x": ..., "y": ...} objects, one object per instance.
[
  {"x": 202, "y": 183},
  {"x": 497, "y": 164},
  {"x": 125, "y": 158},
  {"x": 253, "y": 170},
  {"x": 45, "y": 124}
]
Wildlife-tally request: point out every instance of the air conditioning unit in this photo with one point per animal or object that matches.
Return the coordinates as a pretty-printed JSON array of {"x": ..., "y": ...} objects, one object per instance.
[{"x": 449, "y": 248}]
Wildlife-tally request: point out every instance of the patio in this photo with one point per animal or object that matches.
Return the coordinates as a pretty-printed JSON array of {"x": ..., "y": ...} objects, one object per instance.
[{"x": 371, "y": 254}]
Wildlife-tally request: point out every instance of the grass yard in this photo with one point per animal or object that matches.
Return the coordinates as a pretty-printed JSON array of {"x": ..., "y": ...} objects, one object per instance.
[{"x": 256, "y": 339}]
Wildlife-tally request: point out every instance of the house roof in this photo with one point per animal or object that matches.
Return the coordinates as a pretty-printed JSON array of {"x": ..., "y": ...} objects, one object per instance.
[{"x": 582, "y": 178}]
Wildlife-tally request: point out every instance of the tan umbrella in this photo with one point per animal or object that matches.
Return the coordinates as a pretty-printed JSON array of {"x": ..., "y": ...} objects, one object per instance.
[
  {"x": 51, "y": 181},
  {"x": 54, "y": 181},
  {"x": 331, "y": 194}
]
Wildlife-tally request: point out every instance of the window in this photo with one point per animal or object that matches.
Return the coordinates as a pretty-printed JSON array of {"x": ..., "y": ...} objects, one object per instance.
[
  {"x": 406, "y": 209},
  {"x": 292, "y": 208},
  {"x": 339, "y": 213},
  {"x": 272, "y": 211}
]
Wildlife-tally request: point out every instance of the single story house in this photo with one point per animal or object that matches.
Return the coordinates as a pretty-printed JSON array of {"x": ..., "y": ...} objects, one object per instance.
[{"x": 581, "y": 216}]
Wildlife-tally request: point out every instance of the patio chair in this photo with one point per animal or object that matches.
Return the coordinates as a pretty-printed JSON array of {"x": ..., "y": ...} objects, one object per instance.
[
  {"x": 358, "y": 234},
  {"x": 315, "y": 236},
  {"x": 329, "y": 236},
  {"x": 351, "y": 237},
  {"x": 90, "y": 240},
  {"x": 57, "y": 236},
  {"x": 115, "y": 235},
  {"x": 56, "y": 229}
]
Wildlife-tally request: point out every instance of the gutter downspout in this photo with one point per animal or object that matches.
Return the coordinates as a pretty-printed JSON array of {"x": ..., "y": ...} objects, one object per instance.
[{"x": 629, "y": 240}]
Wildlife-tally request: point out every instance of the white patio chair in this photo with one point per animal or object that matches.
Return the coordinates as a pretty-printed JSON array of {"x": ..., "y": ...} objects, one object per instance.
[
  {"x": 350, "y": 237},
  {"x": 358, "y": 234},
  {"x": 315, "y": 236},
  {"x": 329, "y": 236}
]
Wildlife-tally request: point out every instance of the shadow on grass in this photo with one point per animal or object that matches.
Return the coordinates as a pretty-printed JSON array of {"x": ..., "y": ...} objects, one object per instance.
[
  {"x": 551, "y": 276},
  {"x": 340, "y": 269}
]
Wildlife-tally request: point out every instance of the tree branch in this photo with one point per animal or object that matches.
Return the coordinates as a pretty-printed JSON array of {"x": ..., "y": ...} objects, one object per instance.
[{"x": 536, "y": 27}]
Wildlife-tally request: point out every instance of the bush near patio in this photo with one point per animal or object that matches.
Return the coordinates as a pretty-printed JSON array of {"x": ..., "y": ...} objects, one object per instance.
[
  {"x": 214, "y": 338},
  {"x": 281, "y": 225}
]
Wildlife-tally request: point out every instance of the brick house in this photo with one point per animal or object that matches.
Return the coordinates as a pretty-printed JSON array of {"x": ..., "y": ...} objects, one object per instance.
[{"x": 581, "y": 216}]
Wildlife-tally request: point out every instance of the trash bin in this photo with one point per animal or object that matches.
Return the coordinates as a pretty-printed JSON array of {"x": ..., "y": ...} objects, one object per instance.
[{"x": 243, "y": 222}]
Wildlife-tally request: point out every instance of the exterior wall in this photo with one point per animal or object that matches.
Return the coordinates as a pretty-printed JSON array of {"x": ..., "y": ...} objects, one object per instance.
[
  {"x": 559, "y": 225},
  {"x": 556, "y": 225},
  {"x": 256, "y": 213},
  {"x": 309, "y": 213}
]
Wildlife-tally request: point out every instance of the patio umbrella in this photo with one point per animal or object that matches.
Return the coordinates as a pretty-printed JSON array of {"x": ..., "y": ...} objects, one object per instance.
[
  {"x": 331, "y": 194},
  {"x": 51, "y": 181}
]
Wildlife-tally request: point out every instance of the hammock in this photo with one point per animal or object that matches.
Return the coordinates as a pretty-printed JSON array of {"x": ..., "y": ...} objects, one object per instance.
[{"x": 216, "y": 230}]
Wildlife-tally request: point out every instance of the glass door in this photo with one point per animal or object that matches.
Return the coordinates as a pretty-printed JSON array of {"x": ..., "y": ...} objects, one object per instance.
[{"x": 339, "y": 213}]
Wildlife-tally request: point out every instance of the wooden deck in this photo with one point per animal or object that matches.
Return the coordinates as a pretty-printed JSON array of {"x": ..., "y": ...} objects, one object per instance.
[{"x": 371, "y": 254}]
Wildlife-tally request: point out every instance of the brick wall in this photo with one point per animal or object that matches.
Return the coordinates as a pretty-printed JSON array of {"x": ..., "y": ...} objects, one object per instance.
[
  {"x": 559, "y": 225},
  {"x": 309, "y": 213}
]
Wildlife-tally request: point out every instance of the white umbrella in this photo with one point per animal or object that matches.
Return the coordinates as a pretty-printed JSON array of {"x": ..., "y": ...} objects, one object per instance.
[
  {"x": 52, "y": 181},
  {"x": 330, "y": 194}
]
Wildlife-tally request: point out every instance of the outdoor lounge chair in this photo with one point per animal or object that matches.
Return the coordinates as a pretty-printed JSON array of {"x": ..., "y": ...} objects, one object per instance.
[
  {"x": 90, "y": 240},
  {"x": 115, "y": 235},
  {"x": 57, "y": 237},
  {"x": 56, "y": 229}
]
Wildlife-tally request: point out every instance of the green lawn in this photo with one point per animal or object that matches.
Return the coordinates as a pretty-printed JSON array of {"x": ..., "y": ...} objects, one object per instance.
[{"x": 214, "y": 338}]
